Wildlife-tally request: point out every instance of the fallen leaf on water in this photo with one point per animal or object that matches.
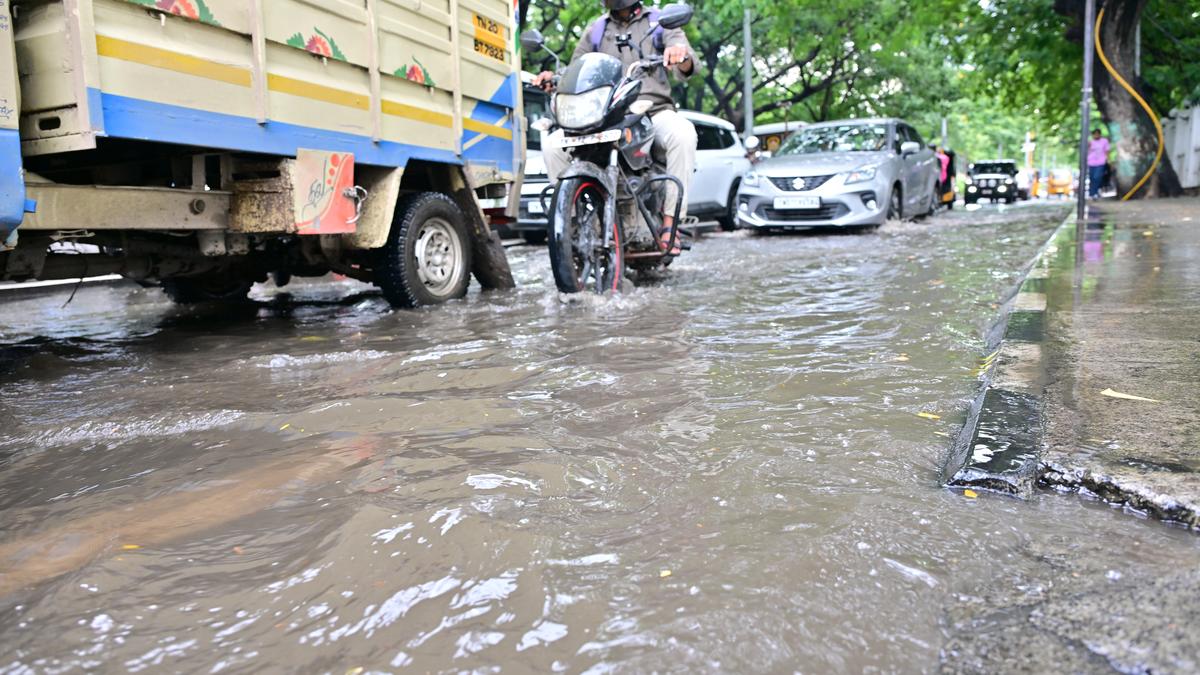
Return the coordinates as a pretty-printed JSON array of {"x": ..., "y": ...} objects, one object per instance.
[
  {"x": 902, "y": 357},
  {"x": 239, "y": 550},
  {"x": 942, "y": 433},
  {"x": 663, "y": 574},
  {"x": 355, "y": 671},
  {"x": 130, "y": 547},
  {"x": 1127, "y": 397},
  {"x": 929, "y": 416},
  {"x": 313, "y": 338},
  {"x": 970, "y": 494},
  {"x": 936, "y": 282},
  {"x": 285, "y": 426},
  {"x": 1148, "y": 233}
]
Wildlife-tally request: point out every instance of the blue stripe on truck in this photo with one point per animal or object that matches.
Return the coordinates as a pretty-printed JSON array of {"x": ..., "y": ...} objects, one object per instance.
[
  {"x": 12, "y": 183},
  {"x": 139, "y": 119}
]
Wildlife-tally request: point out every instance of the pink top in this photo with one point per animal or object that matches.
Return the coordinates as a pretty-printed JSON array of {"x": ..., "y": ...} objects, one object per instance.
[
  {"x": 945, "y": 160},
  {"x": 1098, "y": 151}
]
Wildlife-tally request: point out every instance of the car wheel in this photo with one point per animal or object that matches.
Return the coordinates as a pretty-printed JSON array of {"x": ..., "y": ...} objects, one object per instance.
[
  {"x": 933, "y": 202},
  {"x": 895, "y": 209},
  {"x": 535, "y": 237},
  {"x": 728, "y": 221},
  {"x": 427, "y": 257}
]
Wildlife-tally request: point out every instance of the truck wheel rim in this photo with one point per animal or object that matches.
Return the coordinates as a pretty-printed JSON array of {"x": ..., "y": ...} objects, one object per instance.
[{"x": 439, "y": 256}]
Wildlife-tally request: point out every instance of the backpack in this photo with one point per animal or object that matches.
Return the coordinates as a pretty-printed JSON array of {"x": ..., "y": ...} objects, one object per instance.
[{"x": 602, "y": 23}]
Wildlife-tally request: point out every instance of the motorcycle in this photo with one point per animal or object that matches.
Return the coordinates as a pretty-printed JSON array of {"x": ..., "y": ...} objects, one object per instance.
[{"x": 605, "y": 212}]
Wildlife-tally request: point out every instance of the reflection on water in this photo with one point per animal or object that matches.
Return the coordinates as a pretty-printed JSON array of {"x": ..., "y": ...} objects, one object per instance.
[{"x": 723, "y": 471}]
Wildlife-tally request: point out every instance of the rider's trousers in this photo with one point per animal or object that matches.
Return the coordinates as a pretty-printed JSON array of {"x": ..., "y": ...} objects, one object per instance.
[{"x": 674, "y": 139}]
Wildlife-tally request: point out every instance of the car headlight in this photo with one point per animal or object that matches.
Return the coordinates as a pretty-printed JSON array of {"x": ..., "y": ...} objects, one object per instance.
[
  {"x": 751, "y": 179},
  {"x": 861, "y": 175},
  {"x": 1008, "y": 181},
  {"x": 579, "y": 111}
]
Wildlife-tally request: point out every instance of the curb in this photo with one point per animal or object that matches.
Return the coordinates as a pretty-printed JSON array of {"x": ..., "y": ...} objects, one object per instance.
[{"x": 998, "y": 448}]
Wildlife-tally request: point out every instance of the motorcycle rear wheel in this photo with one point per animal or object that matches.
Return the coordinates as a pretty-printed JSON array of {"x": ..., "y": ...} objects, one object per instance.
[{"x": 578, "y": 257}]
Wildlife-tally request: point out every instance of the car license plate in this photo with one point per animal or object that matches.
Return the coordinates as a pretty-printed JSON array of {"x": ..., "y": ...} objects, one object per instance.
[
  {"x": 797, "y": 202},
  {"x": 591, "y": 139},
  {"x": 535, "y": 206}
]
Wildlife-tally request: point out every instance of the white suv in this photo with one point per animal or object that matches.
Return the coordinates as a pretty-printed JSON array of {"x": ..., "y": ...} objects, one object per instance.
[{"x": 720, "y": 164}]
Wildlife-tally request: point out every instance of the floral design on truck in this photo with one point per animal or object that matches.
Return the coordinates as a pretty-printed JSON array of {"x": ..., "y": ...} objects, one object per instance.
[
  {"x": 197, "y": 10},
  {"x": 319, "y": 43},
  {"x": 416, "y": 73}
]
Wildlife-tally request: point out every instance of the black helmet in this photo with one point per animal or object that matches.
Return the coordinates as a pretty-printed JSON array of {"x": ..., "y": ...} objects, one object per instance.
[{"x": 618, "y": 5}]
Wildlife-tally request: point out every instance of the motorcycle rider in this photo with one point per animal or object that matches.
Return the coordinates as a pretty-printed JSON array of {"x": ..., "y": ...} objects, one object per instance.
[{"x": 674, "y": 135}]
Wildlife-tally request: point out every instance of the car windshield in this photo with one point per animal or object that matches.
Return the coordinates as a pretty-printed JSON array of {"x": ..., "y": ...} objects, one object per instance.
[
  {"x": 995, "y": 167},
  {"x": 535, "y": 101},
  {"x": 837, "y": 138}
]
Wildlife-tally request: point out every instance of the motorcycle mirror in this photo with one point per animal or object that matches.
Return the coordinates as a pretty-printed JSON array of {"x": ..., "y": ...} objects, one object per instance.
[
  {"x": 675, "y": 15},
  {"x": 532, "y": 40},
  {"x": 752, "y": 143}
]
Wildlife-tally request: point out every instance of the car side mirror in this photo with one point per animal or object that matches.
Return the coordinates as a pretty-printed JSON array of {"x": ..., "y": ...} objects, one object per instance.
[
  {"x": 675, "y": 15},
  {"x": 752, "y": 143},
  {"x": 532, "y": 40},
  {"x": 909, "y": 148}
]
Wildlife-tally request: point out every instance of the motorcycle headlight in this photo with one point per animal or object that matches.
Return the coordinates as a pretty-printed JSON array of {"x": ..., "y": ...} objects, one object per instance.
[
  {"x": 751, "y": 179},
  {"x": 861, "y": 175},
  {"x": 579, "y": 111}
]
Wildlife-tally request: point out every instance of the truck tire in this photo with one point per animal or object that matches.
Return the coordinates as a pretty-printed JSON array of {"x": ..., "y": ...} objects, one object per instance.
[
  {"x": 192, "y": 290},
  {"x": 427, "y": 257}
]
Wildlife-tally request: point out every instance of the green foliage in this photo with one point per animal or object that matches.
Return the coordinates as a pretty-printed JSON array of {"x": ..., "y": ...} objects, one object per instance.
[{"x": 1171, "y": 52}]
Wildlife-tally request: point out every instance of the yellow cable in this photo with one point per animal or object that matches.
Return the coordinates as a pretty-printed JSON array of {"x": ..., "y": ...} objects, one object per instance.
[{"x": 1153, "y": 118}]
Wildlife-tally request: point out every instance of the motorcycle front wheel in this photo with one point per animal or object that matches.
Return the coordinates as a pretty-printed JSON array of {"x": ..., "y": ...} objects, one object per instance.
[{"x": 578, "y": 257}]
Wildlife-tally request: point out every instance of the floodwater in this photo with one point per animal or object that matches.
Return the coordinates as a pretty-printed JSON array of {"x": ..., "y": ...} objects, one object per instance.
[{"x": 735, "y": 469}]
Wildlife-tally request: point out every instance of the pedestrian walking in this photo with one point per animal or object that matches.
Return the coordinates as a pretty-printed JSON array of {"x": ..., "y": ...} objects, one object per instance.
[
  {"x": 1097, "y": 160},
  {"x": 944, "y": 161}
]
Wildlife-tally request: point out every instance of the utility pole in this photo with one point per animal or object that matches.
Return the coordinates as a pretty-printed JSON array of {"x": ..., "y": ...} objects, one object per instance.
[
  {"x": 1137, "y": 48},
  {"x": 1085, "y": 107},
  {"x": 748, "y": 73}
]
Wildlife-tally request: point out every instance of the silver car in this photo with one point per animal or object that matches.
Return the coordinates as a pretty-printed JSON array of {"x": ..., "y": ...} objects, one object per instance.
[{"x": 850, "y": 173}]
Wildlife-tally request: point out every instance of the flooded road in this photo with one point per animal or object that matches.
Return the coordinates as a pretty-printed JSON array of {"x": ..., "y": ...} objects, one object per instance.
[{"x": 735, "y": 469}]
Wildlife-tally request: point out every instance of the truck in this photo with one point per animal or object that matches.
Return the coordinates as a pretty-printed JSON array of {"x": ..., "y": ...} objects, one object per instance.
[{"x": 205, "y": 145}]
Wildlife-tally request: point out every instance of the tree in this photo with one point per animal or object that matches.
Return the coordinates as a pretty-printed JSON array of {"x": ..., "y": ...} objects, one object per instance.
[
  {"x": 813, "y": 60},
  {"x": 1028, "y": 53}
]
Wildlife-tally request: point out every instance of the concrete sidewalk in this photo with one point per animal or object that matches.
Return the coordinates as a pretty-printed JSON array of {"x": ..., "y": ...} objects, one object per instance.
[
  {"x": 1109, "y": 316},
  {"x": 1128, "y": 322}
]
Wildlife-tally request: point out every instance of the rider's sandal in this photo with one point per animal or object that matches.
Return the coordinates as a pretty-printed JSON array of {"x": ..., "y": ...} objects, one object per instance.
[{"x": 664, "y": 239}]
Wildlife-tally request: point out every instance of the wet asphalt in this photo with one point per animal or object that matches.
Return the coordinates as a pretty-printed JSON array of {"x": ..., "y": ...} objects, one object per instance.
[{"x": 735, "y": 468}]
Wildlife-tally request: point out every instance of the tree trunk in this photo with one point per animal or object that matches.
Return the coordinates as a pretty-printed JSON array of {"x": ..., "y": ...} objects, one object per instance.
[{"x": 1130, "y": 128}]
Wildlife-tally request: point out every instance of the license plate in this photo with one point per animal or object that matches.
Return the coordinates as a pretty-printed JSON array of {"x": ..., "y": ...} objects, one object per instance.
[
  {"x": 535, "y": 206},
  {"x": 591, "y": 139},
  {"x": 797, "y": 202}
]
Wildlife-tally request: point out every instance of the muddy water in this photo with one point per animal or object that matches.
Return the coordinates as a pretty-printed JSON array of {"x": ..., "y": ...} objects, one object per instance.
[{"x": 728, "y": 470}]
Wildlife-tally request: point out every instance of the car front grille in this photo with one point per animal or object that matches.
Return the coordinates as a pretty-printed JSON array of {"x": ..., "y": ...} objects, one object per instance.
[
  {"x": 826, "y": 212},
  {"x": 791, "y": 183}
]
